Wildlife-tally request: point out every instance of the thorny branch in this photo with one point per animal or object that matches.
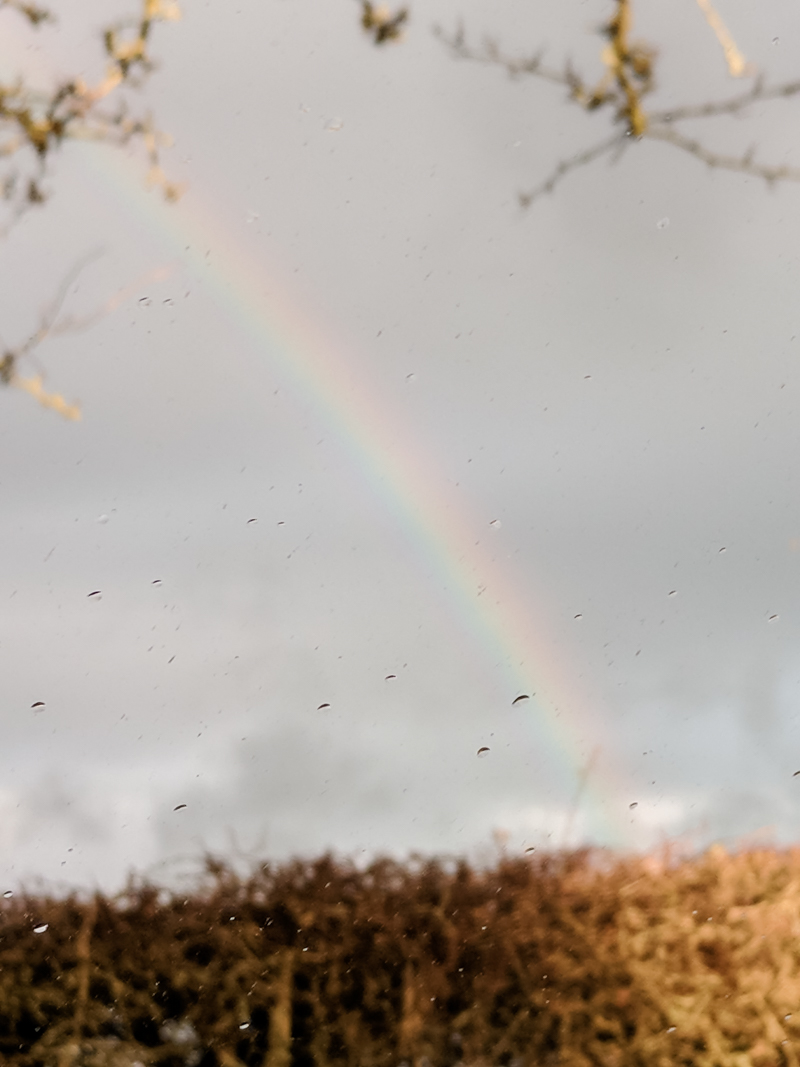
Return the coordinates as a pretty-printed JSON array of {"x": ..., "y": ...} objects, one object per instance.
[{"x": 628, "y": 78}]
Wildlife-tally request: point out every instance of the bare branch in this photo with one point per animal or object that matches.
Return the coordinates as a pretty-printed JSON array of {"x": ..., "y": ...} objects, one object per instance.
[
  {"x": 745, "y": 164},
  {"x": 619, "y": 141},
  {"x": 628, "y": 78},
  {"x": 34, "y": 123},
  {"x": 491, "y": 54},
  {"x": 732, "y": 106}
]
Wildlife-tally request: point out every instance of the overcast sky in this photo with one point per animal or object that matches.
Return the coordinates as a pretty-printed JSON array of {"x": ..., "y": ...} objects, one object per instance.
[{"x": 487, "y": 453}]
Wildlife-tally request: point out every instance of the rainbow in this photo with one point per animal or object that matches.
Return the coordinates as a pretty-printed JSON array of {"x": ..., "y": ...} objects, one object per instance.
[{"x": 483, "y": 599}]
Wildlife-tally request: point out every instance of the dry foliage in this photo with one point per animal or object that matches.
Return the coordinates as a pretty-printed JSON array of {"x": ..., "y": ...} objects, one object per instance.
[
  {"x": 559, "y": 960},
  {"x": 628, "y": 79}
]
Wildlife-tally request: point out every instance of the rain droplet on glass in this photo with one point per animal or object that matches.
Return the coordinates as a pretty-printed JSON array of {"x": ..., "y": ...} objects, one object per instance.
[
  {"x": 662, "y": 224},
  {"x": 41, "y": 928},
  {"x": 671, "y": 1029},
  {"x": 95, "y": 595},
  {"x": 178, "y": 807},
  {"x": 519, "y": 700},
  {"x": 635, "y": 804},
  {"x": 156, "y": 581},
  {"x": 579, "y": 616},
  {"x": 389, "y": 677},
  {"x": 145, "y": 301},
  {"x": 483, "y": 752},
  {"x": 244, "y": 1026},
  {"x": 38, "y": 704},
  {"x": 531, "y": 849},
  {"x": 102, "y": 518},
  {"x": 321, "y": 706},
  {"x": 672, "y": 592},
  {"x": 774, "y": 618},
  {"x": 251, "y": 520},
  {"x": 8, "y": 893},
  {"x": 496, "y": 523}
]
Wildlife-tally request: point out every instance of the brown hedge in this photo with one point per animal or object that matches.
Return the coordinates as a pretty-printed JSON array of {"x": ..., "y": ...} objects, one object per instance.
[{"x": 566, "y": 959}]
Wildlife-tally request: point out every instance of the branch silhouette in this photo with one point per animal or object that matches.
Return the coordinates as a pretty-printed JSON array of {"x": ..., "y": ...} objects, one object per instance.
[
  {"x": 34, "y": 122},
  {"x": 628, "y": 79},
  {"x": 33, "y": 125}
]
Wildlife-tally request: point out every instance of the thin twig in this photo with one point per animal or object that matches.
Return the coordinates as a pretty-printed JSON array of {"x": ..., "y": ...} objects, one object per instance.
[
  {"x": 619, "y": 141},
  {"x": 628, "y": 78},
  {"x": 745, "y": 164}
]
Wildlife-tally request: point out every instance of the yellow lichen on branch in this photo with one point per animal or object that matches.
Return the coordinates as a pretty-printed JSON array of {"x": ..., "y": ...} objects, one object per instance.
[
  {"x": 34, "y": 386},
  {"x": 738, "y": 67},
  {"x": 630, "y": 66}
]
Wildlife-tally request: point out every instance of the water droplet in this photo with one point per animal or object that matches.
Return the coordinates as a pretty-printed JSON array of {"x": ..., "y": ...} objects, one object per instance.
[
  {"x": 321, "y": 706},
  {"x": 796, "y": 773},
  {"x": 169, "y": 301},
  {"x": 586, "y": 377},
  {"x": 520, "y": 699},
  {"x": 38, "y": 704},
  {"x": 774, "y": 618},
  {"x": 156, "y": 581},
  {"x": 786, "y": 1018},
  {"x": 635, "y": 804},
  {"x": 672, "y": 592},
  {"x": 531, "y": 849},
  {"x": 145, "y": 301},
  {"x": 776, "y": 40},
  {"x": 389, "y": 677},
  {"x": 281, "y": 523},
  {"x": 8, "y": 893},
  {"x": 335, "y": 125},
  {"x": 95, "y": 595},
  {"x": 178, "y": 807},
  {"x": 254, "y": 520},
  {"x": 244, "y": 1026},
  {"x": 671, "y": 1029},
  {"x": 483, "y": 752},
  {"x": 103, "y": 519},
  {"x": 662, "y": 224},
  {"x": 723, "y": 549},
  {"x": 579, "y": 616},
  {"x": 496, "y": 523},
  {"x": 41, "y": 928},
  {"x": 411, "y": 377}
]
